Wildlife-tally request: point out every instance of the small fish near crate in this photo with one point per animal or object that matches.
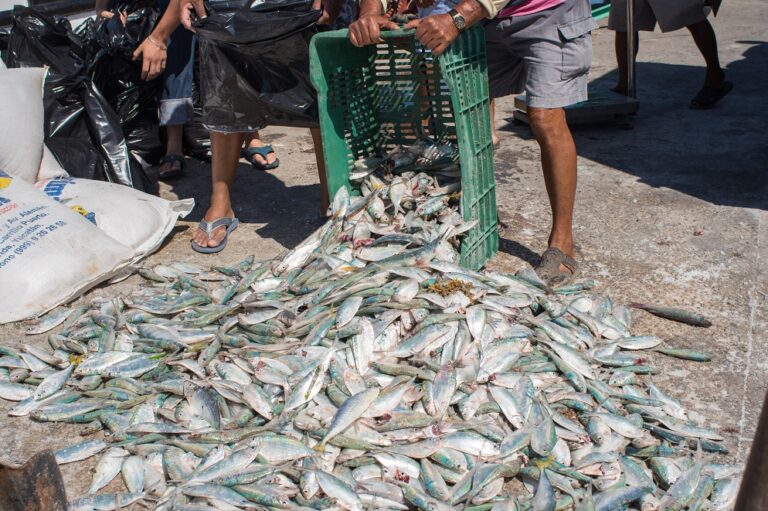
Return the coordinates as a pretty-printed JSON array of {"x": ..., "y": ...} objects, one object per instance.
[{"x": 375, "y": 98}]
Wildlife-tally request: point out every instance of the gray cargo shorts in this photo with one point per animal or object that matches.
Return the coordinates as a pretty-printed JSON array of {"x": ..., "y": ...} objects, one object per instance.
[
  {"x": 546, "y": 54},
  {"x": 670, "y": 14}
]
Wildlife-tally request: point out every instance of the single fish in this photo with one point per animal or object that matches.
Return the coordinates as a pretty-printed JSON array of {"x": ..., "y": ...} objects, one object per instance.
[
  {"x": 696, "y": 356},
  {"x": 50, "y": 321},
  {"x": 352, "y": 409},
  {"x": 79, "y": 452},
  {"x": 679, "y": 315}
]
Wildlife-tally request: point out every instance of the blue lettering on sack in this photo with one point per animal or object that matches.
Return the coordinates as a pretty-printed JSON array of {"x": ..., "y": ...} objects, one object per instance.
[
  {"x": 4, "y": 201},
  {"x": 55, "y": 187}
]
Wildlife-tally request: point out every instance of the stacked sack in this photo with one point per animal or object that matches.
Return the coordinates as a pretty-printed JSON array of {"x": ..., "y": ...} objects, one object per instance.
[{"x": 60, "y": 236}]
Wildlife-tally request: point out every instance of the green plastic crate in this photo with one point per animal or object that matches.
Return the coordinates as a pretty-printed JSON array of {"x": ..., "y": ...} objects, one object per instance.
[
  {"x": 373, "y": 97},
  {"x": 601, "y": 11}
]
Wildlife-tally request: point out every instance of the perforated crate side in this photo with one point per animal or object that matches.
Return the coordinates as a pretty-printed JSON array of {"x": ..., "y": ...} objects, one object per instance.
[
  {"x": 464, "y": 69},
  {"x": 341, "y": 74},
  {"x": 373, "y": 98}
]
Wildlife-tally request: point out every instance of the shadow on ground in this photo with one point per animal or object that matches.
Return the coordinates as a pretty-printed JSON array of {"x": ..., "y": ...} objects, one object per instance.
[
  {"x": 712, "y": 155},
  {"x": 287, "y": 214}
]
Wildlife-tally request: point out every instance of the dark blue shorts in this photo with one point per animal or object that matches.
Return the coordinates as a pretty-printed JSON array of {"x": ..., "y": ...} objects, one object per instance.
[{"x": 176, "y": 99}]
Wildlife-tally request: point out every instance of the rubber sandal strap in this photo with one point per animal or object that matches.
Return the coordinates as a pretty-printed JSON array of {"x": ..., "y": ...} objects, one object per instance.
[
  {"x": 262, "y": 151},
  {"x": 173, "y": 158},
  {"x": 209, "y": 227},
  {"x": 552, "y": 258},
  {"x": 570, "y": 263},
  {"x": 549, "y": 269}
]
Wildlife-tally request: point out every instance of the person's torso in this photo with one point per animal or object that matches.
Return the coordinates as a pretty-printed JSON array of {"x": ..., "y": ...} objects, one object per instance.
[{"x": 523, "y": 7}]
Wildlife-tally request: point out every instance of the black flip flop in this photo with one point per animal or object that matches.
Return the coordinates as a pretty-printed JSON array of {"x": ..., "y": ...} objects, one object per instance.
[
  {"x": 173, "y": 173},
  {"x": 549, "y": 270},
  {"x": 263, "y": 151},
  {"x": 709, "y": 96}
]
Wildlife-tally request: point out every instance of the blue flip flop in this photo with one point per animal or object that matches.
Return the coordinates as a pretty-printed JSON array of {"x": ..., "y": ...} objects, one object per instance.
[
  {"x": 173, "y": 173},
  {"x": 209, "y": 227},
  {"x": 263, "y": 151}
]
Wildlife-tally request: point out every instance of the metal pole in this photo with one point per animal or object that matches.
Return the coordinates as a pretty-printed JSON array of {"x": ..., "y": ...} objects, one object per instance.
[
  {"x": 753, "y": 494},
  {"x": 631, "y": 84}
]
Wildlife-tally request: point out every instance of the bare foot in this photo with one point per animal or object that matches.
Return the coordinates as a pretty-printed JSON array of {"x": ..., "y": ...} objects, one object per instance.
[
  {"x": 217, "y": 236},
  {"x": 259, "y": 159},
  {"x": 170, "y": 168}
]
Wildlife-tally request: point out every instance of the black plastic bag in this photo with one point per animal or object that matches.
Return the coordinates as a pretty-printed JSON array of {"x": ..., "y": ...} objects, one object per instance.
[
  {"x": 196, "y": 138},
  {"x": 254, "y": 65},
  {"x": 39, "y": 40},
  {"x": 84, "y": 134},
  {"x": 118, "y": 76},
  {"x": 81, "y": 129},
  {"x": 5, "y": 35}
]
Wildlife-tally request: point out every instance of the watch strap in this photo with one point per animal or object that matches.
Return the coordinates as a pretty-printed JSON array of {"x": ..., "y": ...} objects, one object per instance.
[{"x": 458, "y": 20}]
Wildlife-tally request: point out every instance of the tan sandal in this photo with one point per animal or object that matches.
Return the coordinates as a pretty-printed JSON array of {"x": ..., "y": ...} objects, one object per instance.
[{"x": 549, "y": 270}]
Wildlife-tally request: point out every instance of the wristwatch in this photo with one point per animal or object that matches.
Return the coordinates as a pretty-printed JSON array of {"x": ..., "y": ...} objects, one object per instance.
[{"x": 458, "y": 20}]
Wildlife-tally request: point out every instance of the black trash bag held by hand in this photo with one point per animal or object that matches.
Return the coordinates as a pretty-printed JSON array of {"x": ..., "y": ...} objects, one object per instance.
[
  {"x": 254, "y": 65},
  {"x": 118, "y": 76}
]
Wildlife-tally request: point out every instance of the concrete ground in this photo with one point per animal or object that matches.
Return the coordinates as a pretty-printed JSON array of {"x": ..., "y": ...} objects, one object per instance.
[{"x": 671, "y": 210}]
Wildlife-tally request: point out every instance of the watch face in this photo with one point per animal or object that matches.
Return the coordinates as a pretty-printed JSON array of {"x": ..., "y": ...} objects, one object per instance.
[{"x": 458, "y": 20}]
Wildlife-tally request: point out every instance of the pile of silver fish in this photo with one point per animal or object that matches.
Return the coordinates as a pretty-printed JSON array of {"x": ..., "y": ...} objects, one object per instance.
[{"x": 366, "y": 369}]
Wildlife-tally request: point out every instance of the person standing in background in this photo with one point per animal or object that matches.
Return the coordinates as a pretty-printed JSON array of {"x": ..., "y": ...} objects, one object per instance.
[
  {"x": 671, "y": 16},
  {"x": 170, "y": 51},
  {"x": 219, "y": 220}
]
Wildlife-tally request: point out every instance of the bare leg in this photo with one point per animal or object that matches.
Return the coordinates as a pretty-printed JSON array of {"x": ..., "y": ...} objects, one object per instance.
[
  {"x": 706, "y": 40},
  {"x": 620, "y": 44},
  {"x": 494, "y": 133},
  {"x": 253, "y": 140},
  {"x": 173, "y": 135},
  {"x": 173, "y": 146},
  {"x": 424, "y": 92},
  {"x": 319, "y": 157},
  {"x": 558, "y": 161},
  {"x": 225, "y": 148}
]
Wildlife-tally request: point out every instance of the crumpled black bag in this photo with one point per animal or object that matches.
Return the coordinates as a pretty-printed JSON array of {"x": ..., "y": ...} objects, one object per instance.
[
  {"x": 196, "y": 138},
  {"x": 5, "y": 35},
  {"x": 118, "y": 76},
  {"x": 82, "y": 130},
  {"x": 254, "y": 65},
  {"x": 84, "y": 133}
]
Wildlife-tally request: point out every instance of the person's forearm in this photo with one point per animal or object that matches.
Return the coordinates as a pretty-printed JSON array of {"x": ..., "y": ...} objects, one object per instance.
[
  {"x": 169, "y": 22},
  {"x": 472, "y": 11},
  {"x": 371, "y": 8}
]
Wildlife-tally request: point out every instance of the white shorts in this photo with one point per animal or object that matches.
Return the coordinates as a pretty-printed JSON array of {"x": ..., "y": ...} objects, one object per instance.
[{"x": 669, "y": 14}]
